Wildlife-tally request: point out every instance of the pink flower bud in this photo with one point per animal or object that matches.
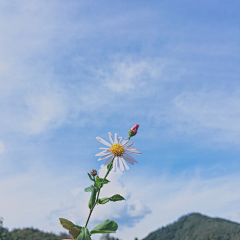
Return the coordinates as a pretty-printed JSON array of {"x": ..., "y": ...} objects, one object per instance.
[{"x": 133, "y": 131}]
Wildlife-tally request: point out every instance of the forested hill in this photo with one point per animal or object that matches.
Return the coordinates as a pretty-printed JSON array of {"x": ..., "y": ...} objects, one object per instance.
[
  {"x": 193, "y": 226},
  {"x": 29, "y": 234},
  {"x": 196, "y": 226}
]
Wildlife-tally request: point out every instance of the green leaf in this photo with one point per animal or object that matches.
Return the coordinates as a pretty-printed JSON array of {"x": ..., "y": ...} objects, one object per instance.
[
  {"x": 89, "y": 189},
  {"x": 92, "y": 198},
  {"x": 103, "y": 181},
  {"x": 74, "y": 232},
  {"x": 84, "y": 235},
  {"x": 103, "y": 200},
  {"x": 100, "y": 181},
  {"x": 105, "y": 227},
  {"x": 66, "y": 224},
  {"x": 106, "y": 181},
  {"x": 90, "y": 176},
  {"x": 116, "y": 197}
]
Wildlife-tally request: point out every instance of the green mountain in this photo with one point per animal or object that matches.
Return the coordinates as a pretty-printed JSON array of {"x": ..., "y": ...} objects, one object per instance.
[
  {"x": 193, "y": 226},
  {"x": 29, "y": 234},
  {"x": 196, "y": 226}
]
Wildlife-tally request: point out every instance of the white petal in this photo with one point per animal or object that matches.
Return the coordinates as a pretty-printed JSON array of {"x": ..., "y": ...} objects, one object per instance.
[
  {"x": 129, "y": 144},
  {"x": 131, "y": 148},
  {"x": 110, "y": 137},
  {"x": 114, "y": 165},
  {"x": 108, "y": 160},
  {"x": 121, "y": 164},
  {"x": 105, "y": 156},
  {"x": 124, "y": 141},
  {"x": 132, "y": 152},
  {"x": 103, "y": 153},
  {"x": 119, "y": 140},
  {"x": 104, "y": 148},
  {"x": 129, "y": 157},
  {"x": 103, "y": 141},
  {"x": 125, "y": 164},
  {"x": 116, "y": 138},
  {"x": 128, "y": 160}
]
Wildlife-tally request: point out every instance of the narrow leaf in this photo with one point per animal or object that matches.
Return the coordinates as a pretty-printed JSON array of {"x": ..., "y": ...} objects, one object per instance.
[
  {"x": 92, "y": 198},
  {"x": 89, "y": 189},
  {"x": 99, "y": 182},
  {"x": 105, "y": 227},
  {"x": 90, "y": 176},
  {"x": 74, "y": 232},
  {"x": 116, "y": 197},
  {"x": 105, "y": 181},
  {"x": 66, "y": 224},
  {"x": 84, "y": 235},
  {"x": 103, "y": 200}
]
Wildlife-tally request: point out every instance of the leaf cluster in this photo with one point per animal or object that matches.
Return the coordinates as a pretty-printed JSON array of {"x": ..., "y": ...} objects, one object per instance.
[{"x": 82, "y": 233}]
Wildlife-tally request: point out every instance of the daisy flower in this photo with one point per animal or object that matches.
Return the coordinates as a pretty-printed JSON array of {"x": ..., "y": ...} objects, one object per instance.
[{"x": 117, "y": 150}]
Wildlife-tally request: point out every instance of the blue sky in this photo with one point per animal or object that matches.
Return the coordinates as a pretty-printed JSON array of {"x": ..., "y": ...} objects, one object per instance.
[{"x": 74, "y": 70}]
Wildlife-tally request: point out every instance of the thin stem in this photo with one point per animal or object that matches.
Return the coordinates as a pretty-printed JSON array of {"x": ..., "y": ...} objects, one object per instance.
[
  {"x": 91, "y": 210},
  {"x": 88, "y": 217},
  {"x": 109, "y": 169}
]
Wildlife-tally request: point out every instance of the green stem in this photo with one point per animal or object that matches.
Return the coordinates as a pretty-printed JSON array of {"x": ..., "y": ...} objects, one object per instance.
[{"x": 91, "y": 210}]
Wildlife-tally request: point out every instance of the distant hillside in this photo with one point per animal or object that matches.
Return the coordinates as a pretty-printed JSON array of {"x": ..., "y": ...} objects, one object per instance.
[
  {"x": 197, "y": 227},
  {"x": 193, "y": 226},
  {"x": 29, "y": 234}
]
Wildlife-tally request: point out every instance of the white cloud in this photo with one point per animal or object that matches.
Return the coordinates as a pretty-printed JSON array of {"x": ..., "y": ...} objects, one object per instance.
[
  {"x": 45, "y": 110},
  {"x": 32, "y": 99},
  {"x": 130, "y": 75},
  {"x": 151, "y": 202},
  {"x": 36, "y": 97},
  {"x": 76, "y": 209},
  {"x": 168, "y": 198}
]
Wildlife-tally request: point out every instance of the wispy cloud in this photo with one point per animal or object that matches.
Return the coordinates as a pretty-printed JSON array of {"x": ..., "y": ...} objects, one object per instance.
[
  {"x": 127, "y": 76},
  {"x": 214, "y": 112}
]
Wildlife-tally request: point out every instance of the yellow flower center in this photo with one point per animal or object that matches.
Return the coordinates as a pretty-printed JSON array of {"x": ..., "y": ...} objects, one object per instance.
[{"x": 117, "y": 149}]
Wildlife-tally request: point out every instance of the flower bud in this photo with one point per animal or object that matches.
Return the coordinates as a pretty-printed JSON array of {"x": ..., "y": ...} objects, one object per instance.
[
  {"x": 94, "y": 172},
  {"x": 133, "y": 131}
]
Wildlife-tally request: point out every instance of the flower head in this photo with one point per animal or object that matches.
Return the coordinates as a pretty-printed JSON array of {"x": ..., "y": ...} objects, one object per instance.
[
  {"x": 133, "y": 131},
  {"x": 118, "y": 151}
]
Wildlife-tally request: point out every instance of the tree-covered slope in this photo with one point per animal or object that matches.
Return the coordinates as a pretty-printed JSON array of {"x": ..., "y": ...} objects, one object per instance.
[
  {"x": 189, "y": 227},
  {"x": 198, "y": 227},
  {"x": 29, "y": 234}
]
